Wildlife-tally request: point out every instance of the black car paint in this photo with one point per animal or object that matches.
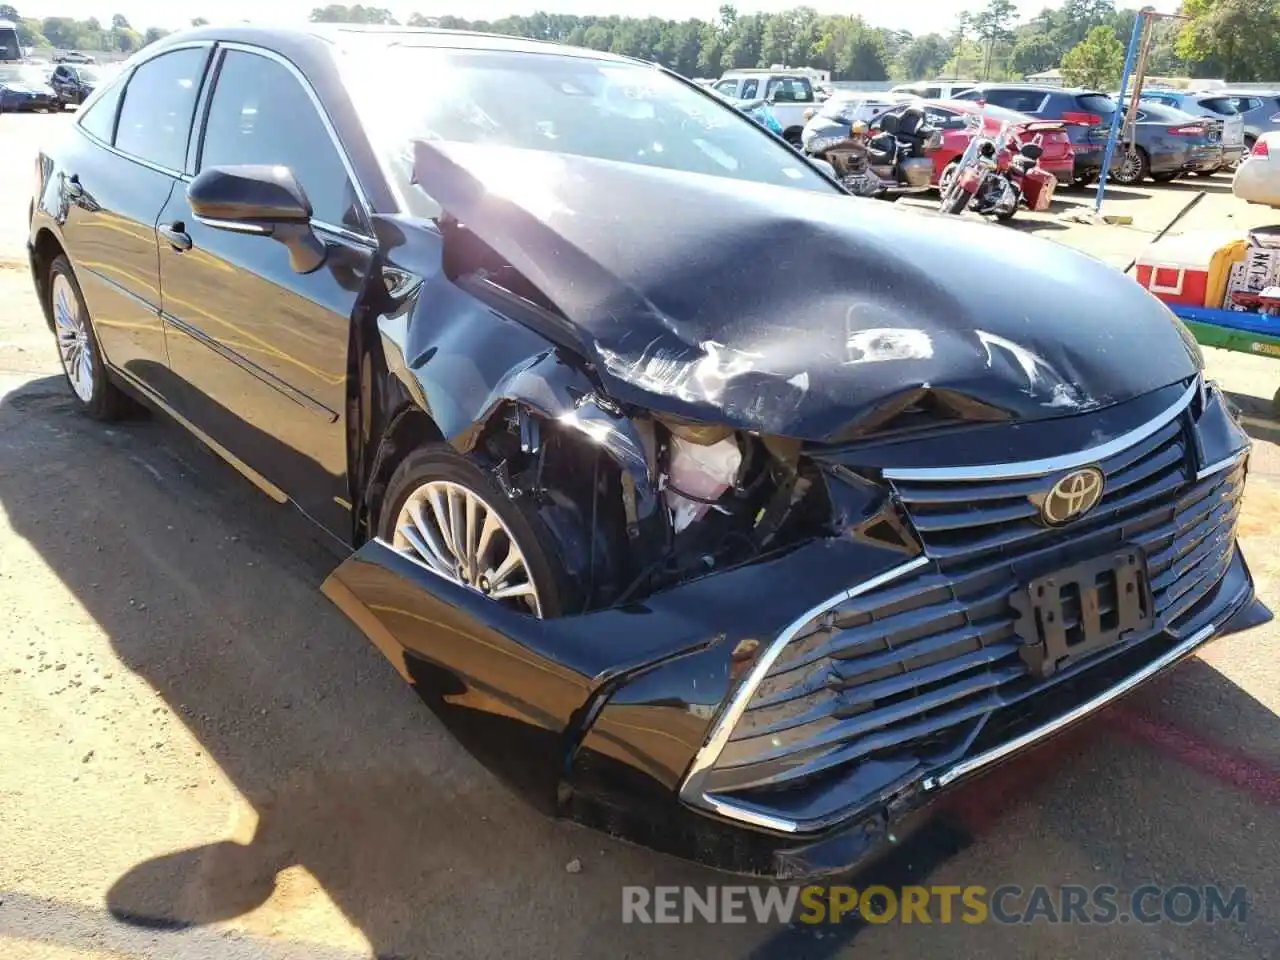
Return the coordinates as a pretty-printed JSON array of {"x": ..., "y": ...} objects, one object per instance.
[
  {"x": 599, "y": 716},
  {"x": 70, "y": 84},
  {"x": 819, "y": 346}
]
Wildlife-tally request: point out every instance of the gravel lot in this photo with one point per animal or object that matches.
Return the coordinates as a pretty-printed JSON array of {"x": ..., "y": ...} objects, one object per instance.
[{"x": 199, "y": 757}]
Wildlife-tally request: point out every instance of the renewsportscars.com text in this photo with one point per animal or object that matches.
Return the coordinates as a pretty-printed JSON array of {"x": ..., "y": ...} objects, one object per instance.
[{"x": 1007, "y": 904}]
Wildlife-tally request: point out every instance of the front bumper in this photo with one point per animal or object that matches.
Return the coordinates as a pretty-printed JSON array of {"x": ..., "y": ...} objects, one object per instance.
[{"x": 771, "y": 719}]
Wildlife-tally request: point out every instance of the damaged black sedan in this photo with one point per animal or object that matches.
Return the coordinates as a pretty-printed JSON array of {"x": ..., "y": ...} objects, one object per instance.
[{"x": 705, "y": 503}]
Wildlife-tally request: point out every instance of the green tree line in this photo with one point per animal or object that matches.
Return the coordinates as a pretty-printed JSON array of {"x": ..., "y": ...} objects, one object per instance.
[{"x": 1235, "y": 39}]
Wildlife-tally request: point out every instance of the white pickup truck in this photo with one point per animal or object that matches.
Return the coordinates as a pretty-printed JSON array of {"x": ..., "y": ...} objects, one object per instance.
[{"x": 789, "y": 95}]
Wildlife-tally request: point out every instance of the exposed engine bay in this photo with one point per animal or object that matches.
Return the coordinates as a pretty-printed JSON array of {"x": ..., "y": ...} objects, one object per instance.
[{"x": 723, "y": 498}]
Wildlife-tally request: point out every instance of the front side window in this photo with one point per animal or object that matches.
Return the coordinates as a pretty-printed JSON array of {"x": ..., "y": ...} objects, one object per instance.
[
  {"x": 728, "y": 88},
  {"x": 569, "y": 105},
  {"x": 260, "y": 114},
  {"x": 155, "y": 117},
  {"x": 749, "y": 88}
]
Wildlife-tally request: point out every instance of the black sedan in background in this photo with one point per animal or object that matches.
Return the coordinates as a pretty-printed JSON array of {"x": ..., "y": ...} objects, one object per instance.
[
  {"x": 744, "y": 559},
  {"x": 75, "y": 82},
  {"x": 23, "y": 89}
]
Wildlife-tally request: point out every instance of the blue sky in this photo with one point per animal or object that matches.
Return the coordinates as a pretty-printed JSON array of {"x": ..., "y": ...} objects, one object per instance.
[{"x": 919, "y": 17}]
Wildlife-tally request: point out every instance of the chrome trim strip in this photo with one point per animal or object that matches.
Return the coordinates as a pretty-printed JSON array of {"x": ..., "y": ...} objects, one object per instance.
[
  {"x": 1066, "y": 461},
  {"x": 1071, "y": 716},
  {"x": 1221, "y": 465},
  {"x": 690, "y": 789},
  {"x": 234, "y": 226},
  {"x": 248, "y": 366}
]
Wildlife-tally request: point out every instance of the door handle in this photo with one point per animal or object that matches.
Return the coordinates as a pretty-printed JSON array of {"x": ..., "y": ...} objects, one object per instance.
[
  {"x": 177, "y": 236},
  {"x": 73, "y": 189}
]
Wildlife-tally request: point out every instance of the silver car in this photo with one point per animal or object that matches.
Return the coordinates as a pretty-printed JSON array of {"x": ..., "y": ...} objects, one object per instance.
[
  {"x": 1260, "y": 110},
  {"x": 1214, "y": 105}
]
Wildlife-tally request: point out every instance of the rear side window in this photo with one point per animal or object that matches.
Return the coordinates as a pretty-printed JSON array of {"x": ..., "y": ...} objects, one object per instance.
[
  {"x": 1245, "y": 104},
  {"x": 155, "y": 118},
  {"x": 943, "y": 119},
  {"x": 749, "y": 88},
  {"x": 1023, "y": 101},
  {"x": 790, "y": 90},
  {"x": 970, "y": 94},
  {"x": 99, "y": 118},
  {"x": 932, "y": 93},
  {"x": 1220, "y": 105},
  {"x": 260, "y": 114}
]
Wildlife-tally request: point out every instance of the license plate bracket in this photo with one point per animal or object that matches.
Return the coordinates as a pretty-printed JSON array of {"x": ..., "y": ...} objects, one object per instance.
[{"x": 1083, "y": 608}]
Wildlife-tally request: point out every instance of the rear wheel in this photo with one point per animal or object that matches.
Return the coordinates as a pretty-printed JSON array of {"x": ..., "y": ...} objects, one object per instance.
[
  {"x": 78, "y": 346},
  {"x": 1135, "y": 169},
  {"x": 447, "y": 513}
]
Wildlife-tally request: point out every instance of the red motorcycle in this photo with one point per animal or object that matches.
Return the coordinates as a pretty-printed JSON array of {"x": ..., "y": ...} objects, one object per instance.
[{"x": 993, "y": 179}]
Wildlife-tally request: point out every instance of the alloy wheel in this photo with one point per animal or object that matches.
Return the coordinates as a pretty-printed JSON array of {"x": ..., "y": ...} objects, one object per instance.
[
  {"x": 75, "y": 347},
  {"x": 1131, "y": 169},
  {"x": 457, "y": 534}
]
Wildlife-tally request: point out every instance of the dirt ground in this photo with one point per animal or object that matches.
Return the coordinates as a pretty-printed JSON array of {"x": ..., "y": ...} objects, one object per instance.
[{"x": 199, "y": 757}]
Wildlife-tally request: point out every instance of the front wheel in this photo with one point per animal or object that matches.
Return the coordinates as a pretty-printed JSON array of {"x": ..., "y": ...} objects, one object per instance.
[
  {"x": 451, "y": 516},
  {"x": 1167, "y": 177},
  {"x": 955, "y": 202},
  {"x": 78, "y": 347}
]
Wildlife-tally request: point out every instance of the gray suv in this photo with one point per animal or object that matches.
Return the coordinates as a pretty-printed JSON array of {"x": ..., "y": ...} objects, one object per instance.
[{"x": 1260, "y": 109}]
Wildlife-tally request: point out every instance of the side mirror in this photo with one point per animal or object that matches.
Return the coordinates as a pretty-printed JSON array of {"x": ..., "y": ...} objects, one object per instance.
[{"x": 261, "y": 200}]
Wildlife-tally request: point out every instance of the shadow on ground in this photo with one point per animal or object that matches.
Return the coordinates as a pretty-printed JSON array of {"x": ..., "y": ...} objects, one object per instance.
[{"x": 417, "y": 846}]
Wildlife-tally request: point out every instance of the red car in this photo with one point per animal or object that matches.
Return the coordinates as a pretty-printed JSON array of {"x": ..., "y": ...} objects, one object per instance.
[{"x": 949, "y": 117}]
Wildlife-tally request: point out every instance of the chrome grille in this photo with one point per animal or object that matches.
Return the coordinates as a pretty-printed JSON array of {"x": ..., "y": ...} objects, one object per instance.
[
  {"x": 901, "y": 678},
  {"x": 966, "y": 518}
]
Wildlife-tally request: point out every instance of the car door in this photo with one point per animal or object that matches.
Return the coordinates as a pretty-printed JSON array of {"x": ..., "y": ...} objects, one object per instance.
[
  {"x": 119, "y": 172},
  {"x": 258, "y": 351}
]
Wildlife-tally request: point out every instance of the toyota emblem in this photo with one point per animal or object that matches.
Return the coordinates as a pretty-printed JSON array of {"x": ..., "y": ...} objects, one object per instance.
[{"x": 1072, "y": 497}]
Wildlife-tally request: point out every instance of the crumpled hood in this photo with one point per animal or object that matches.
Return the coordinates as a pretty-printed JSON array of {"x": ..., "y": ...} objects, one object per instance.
[{"x": 803, "y": 313}]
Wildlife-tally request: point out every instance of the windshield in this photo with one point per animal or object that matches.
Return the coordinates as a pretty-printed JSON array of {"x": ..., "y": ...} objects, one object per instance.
[
  {"x": 1163, "y": 113},
  {"x": 627, "y": 113}
]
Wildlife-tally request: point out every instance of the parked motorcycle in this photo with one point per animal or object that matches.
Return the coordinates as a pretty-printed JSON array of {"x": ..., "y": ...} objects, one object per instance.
[
  {"x": 885, "y": 161},
  {"x": 993, "y": 179}
]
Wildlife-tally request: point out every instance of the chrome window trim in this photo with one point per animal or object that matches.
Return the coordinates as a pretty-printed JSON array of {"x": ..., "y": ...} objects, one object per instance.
[
  {"x": 362, "y": 198},
  {"x": 1066, "y": 461},
  {"x": 691, "y": 789},
  {"x": 1071, "y": 716}
]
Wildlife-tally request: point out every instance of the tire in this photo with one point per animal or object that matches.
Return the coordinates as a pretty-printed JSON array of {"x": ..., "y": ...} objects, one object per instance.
[
  {"x": 1167, "y": 177},
  {"x": 1084, "y": 182},
  {"x": 1203, "y": 173},
  {"x": 78, "y": 348},
  {"x": 944, "y": 178},
  {"x": 956, "y": 203},
  {"x": 454, "y": 476},
  {"x": 1135, "y": 169},
  {"x": 1006, "y": 217}
]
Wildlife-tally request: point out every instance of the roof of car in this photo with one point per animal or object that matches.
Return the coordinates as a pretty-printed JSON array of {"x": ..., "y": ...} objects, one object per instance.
[
  {"x": 357, "y": 36},
  {"x": 1039, "y": 87}
]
